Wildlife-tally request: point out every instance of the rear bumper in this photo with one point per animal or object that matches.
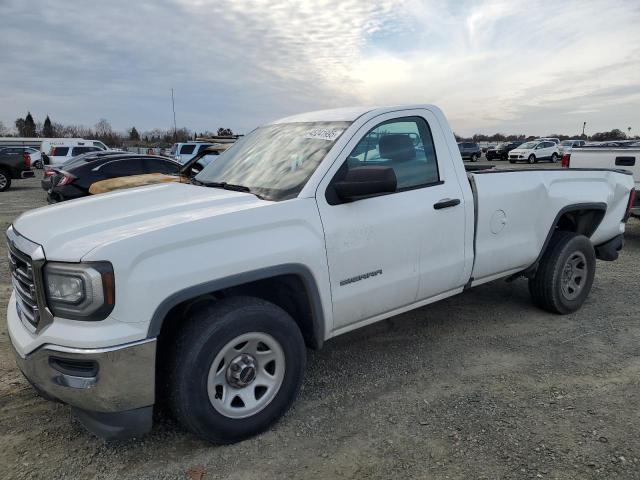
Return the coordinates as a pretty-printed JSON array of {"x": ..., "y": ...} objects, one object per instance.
[
  {"x": 609, "y": 251},
  {"x": 111, "y": 389}
]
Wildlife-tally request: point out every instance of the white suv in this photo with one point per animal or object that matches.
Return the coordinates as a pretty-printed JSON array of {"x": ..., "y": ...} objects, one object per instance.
[
  {"x": 60, "y": 154},
  {"x": 183, "y": 152},
  {"x": 534, "y": 151}
]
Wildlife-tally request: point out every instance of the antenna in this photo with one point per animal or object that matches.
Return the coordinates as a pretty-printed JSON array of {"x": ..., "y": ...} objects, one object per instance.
[{"x": 173, "y": 107}]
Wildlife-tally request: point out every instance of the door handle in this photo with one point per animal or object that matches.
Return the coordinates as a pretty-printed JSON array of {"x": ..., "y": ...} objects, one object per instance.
[{"x": 446, "y": 203}]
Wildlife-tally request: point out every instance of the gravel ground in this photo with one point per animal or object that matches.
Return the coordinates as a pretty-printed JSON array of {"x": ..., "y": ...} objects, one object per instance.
[{"x": 482, "y": 385}]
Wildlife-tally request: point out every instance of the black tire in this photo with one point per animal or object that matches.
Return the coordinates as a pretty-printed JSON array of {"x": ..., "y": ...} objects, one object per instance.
[
  {"x": 532, "y": 159},
  {"x": 5, "y": 180},
  {"x": 554, "y": 158},
  {"x": 546, "y": 287},
  {"x": 475, "y": 157},
  {"x": 201, "y": 338},
  {"x": 512, "y": 161}
]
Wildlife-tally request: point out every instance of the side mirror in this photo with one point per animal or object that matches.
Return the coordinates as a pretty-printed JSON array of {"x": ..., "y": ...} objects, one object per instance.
[{"x": 366, "y": 181}]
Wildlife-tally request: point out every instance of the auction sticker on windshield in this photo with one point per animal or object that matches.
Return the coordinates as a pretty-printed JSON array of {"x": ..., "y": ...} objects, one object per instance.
[{"x": 329, "y": 134}]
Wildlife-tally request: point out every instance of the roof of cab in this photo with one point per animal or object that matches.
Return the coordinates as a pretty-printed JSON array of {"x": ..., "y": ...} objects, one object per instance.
[{"x": 348, "y": 114}]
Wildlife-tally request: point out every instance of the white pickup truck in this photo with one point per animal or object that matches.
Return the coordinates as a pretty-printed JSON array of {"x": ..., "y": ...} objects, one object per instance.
[
  {"x": 627, "y": 158},
  {"x": 207, "y": 293}
]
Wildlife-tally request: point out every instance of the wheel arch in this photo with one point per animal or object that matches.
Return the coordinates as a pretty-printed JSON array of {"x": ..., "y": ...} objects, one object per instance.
[
  {"x": 581, "y": 218},
  {"x": 290, "y": 286}
]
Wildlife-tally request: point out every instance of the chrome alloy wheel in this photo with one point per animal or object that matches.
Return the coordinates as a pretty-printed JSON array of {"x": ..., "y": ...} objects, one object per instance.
[
  {"x": 3, "y": 181},
  {"x": 246, "y": 375},
  {"x": 574, "y": 275}
]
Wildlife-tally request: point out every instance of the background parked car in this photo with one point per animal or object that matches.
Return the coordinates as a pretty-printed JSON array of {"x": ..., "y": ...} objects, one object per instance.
[
  {"x": 501, "y": 151},
  {"x": 50, "y": 171},
  {"x": 183, "y": 152},
  {"x": 76, "y": 179},
  {"x": 58, "y": 156},
  {"x": 34, "y": 153},
  {"x": 566, "y": 145},
  {"x": 14, "y": 164},
  {"x": 534, "y": 151},
  {"x": 470, "y": 150}
]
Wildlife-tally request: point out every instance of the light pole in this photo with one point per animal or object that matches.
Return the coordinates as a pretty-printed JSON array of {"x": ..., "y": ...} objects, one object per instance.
[
  {"x": 175, "y": 128},
  {"x": 584, "y": 124}
]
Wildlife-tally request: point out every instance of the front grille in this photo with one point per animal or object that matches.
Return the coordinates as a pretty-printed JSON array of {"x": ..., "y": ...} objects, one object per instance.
[{"x": 24, "y": 285}]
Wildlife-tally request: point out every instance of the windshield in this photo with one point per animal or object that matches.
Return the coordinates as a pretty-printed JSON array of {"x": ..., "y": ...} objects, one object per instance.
[
  {"x": 528, "y": 145},
  {"x": 275, "y": 161}
]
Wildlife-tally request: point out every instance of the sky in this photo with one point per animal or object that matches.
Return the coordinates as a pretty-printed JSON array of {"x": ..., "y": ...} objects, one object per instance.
[{"x": 536, "y": 67}]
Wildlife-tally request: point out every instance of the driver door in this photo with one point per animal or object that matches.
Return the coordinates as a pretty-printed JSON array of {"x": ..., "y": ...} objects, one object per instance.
[{"x": 391, "y": 250}]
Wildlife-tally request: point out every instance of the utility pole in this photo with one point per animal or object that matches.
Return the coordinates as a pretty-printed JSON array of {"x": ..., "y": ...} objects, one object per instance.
[
  {"x": 583, "y": 127},
  {"x": 175, "y": 128}
]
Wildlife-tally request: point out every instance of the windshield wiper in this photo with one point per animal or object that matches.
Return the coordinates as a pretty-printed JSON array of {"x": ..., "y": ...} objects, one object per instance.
[{"x": 228, "y": 186}]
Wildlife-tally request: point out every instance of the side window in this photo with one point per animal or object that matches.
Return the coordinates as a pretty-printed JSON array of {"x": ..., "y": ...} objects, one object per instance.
[
  {"x": 79, "y": 150},
  {"x": 202, "y": 147},
  {"x": 60, "y": 151},
  {"x": 403, "y": 144},
  {"x": 187, "y": 149},
  {"x": 123, "y": 168},
  {"x": 154, "y": 165}
]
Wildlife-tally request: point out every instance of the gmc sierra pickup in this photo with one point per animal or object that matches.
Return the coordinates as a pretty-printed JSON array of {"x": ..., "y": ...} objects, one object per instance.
[{"x": 206, "y": 293}]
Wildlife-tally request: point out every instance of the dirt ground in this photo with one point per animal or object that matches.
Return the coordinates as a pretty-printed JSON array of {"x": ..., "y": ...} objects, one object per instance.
[{"x": 482, "y": 385}]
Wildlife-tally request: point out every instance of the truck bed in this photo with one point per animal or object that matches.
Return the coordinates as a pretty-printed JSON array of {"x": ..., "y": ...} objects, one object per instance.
[{"x": 516, "y": 209}]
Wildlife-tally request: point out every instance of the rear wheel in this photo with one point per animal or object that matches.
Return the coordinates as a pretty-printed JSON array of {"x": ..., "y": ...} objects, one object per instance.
[
  {"x": 5, "y": 180},
  {"x": 238, "y": 367},
  {"x": 532, "y": 158},
  {"x": 565, "y": 273},
  {"x": 475, "y": 157},
  {"x": 554, "y": 157}
]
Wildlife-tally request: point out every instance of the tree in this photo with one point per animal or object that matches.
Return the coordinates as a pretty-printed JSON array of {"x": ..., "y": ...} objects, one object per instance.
[
  {"x": 29, "y": 126},
  {"x": 20, "y": 127},
  {"x": 615, "y": 134},
  {"x": 134, "y": 135},
  {"x": 223, "y": 132},
  {"x": 3, "y": 130},
  {"x": 103, "y": 128},
  {"x": 47, "y": 128}
]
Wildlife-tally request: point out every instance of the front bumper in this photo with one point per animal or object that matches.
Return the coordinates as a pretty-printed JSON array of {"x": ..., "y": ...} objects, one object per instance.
[{"x": 111, "y": 389}]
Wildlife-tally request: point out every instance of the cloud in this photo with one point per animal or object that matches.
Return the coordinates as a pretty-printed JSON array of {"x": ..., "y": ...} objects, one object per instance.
[{"x": 535, "y": 66}]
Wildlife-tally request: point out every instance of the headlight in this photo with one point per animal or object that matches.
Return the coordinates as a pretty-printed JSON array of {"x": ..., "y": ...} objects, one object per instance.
[{"x": 80, "y": 291}]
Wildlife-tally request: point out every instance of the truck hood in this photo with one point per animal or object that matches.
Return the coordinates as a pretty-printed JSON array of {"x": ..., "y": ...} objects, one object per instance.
[{"x": 68, "y": 231}]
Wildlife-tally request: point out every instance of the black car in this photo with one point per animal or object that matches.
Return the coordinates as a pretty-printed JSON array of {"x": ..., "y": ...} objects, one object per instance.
[
  {"x": 49, "y": 172},
  {"x": 501, "y": 151},
  {"x": 75, "y": 178},
  {"x": 14, "y": 164}
]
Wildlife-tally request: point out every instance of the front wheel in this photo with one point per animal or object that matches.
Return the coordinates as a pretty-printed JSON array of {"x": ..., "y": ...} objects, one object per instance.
[
  {"x": 512, "y": 161},
  {"x": 238, "y": 366},
  {"x": 475, "y": 157},
  {"x": 532, "y": 159},
  {"x": 565, "y": 273},
  {"x": 5, "y": 181}
]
